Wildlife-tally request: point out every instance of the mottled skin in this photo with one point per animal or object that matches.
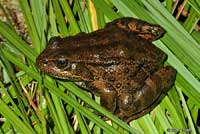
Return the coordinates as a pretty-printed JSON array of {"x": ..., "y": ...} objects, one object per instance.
[{"x": 119, "y": 63}]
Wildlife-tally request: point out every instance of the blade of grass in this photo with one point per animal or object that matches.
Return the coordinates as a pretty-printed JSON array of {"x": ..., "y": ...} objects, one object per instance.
[
  {"x": 40, "y": 18},
  {"x": 61, "y": 114},
  {"x": 132, "y": 9},
  {"x": 160, "y": 116},
  {"x": 147, "y": 123},
  {"x": 195, "y": 5},
  {"x": 16, "y": 41},
  {"x": 191, "y": 21},
  {"x": 82, "y": 123},
  {"x": 30, "y": 23},
  {"x": 109, "y": 13},
  {"x": 188, "y": 115},
  {"x": 169, "y": 5},
  {"x": 69, "y": 14},
  {"x": 84, "y": 23},
  {"x": 60, "y": 111},
  {"x": 53, "y": 112},
  {"x": 60, "y": 18},
  {"x": 14, "y": 119},
  {"x": 15, "y": 84}
]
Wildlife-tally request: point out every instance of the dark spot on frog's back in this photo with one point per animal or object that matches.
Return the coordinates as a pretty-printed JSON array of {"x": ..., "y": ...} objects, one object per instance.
[{"x": 119, "y": 63}]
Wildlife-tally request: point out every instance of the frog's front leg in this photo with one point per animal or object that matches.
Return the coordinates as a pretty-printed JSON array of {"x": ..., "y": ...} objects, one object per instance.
[
  {"x": 108, "y": 95},
  {"x": 143, "y": 29}
]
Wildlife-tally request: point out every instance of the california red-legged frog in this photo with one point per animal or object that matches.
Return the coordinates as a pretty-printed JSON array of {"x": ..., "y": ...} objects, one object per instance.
[{"x": 119, "y": 63}]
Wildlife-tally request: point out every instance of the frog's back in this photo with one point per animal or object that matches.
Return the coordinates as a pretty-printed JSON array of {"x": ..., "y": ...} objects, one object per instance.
[{"x": 104, "y": 47}]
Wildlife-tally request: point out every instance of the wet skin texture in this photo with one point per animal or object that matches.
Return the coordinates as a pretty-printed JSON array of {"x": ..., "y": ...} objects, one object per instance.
[{"x": 119, "y": 63}]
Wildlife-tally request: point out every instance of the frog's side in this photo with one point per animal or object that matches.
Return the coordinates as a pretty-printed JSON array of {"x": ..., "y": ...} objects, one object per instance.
[{"x": 119, "y": 63}]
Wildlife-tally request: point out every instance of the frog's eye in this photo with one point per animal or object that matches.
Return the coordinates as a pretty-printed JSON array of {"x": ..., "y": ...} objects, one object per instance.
[{"x": 62, "y": 63}]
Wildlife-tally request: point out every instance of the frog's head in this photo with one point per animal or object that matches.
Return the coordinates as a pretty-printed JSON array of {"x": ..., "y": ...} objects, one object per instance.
[{"x": 58, "y": 62}]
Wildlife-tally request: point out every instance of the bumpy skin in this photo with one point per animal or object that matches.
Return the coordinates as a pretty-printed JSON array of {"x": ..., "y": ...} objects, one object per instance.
[{"x": 119, "y": 63}]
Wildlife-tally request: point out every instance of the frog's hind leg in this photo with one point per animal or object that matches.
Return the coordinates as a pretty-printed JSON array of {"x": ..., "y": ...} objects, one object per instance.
[
  {"x": 155, "y": 88},
  {"x": 143, "y": 29},
  {"x": 145, "y": 111},
  {"x": 106, "y": 92}
]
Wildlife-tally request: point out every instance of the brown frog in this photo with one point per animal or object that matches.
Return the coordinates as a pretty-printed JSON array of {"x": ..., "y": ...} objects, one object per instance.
[{"x": 119, "y": 63}]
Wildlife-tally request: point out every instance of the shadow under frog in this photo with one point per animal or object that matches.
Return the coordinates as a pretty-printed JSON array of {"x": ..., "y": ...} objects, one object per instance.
[{"x": 118, "y": 62}]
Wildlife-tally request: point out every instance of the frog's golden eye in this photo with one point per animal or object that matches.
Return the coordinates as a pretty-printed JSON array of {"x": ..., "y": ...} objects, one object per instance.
[{"x": 62, "y": 63}]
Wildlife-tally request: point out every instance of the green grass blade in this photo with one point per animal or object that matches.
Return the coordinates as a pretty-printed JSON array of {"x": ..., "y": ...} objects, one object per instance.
[
  {"x": 16, "y": 41},
  {"x": 14, "y": 119},
  {"x": 30, "y": 23},
  {"x": 60, "y": 20}
]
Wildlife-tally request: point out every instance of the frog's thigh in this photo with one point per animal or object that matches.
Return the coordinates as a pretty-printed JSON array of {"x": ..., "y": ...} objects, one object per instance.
[
  {"x": 145, "y": 99},
  {"x": 162, "y": 80},
  {"x": 106, "y": 92},
  {"x": 155, "y": 86}
]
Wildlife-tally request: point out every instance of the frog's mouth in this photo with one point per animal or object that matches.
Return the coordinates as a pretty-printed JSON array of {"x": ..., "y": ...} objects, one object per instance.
[{"x": 66, "y": 76}]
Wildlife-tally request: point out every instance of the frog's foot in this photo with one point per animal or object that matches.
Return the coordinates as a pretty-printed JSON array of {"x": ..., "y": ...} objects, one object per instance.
[
  {"x": 108, "y": 95},
  {"x": 144, "y": 100},
  {"x": 139, "y": 114},
  {"x": 141, "y": 28}
]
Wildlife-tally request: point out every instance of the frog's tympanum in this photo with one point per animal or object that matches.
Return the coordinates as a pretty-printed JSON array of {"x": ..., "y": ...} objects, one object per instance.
[{"x": 119, "y": 63}]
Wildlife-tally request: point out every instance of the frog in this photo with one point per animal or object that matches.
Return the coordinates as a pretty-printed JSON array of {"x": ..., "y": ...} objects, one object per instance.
[{"x": 118, "y": 63}]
